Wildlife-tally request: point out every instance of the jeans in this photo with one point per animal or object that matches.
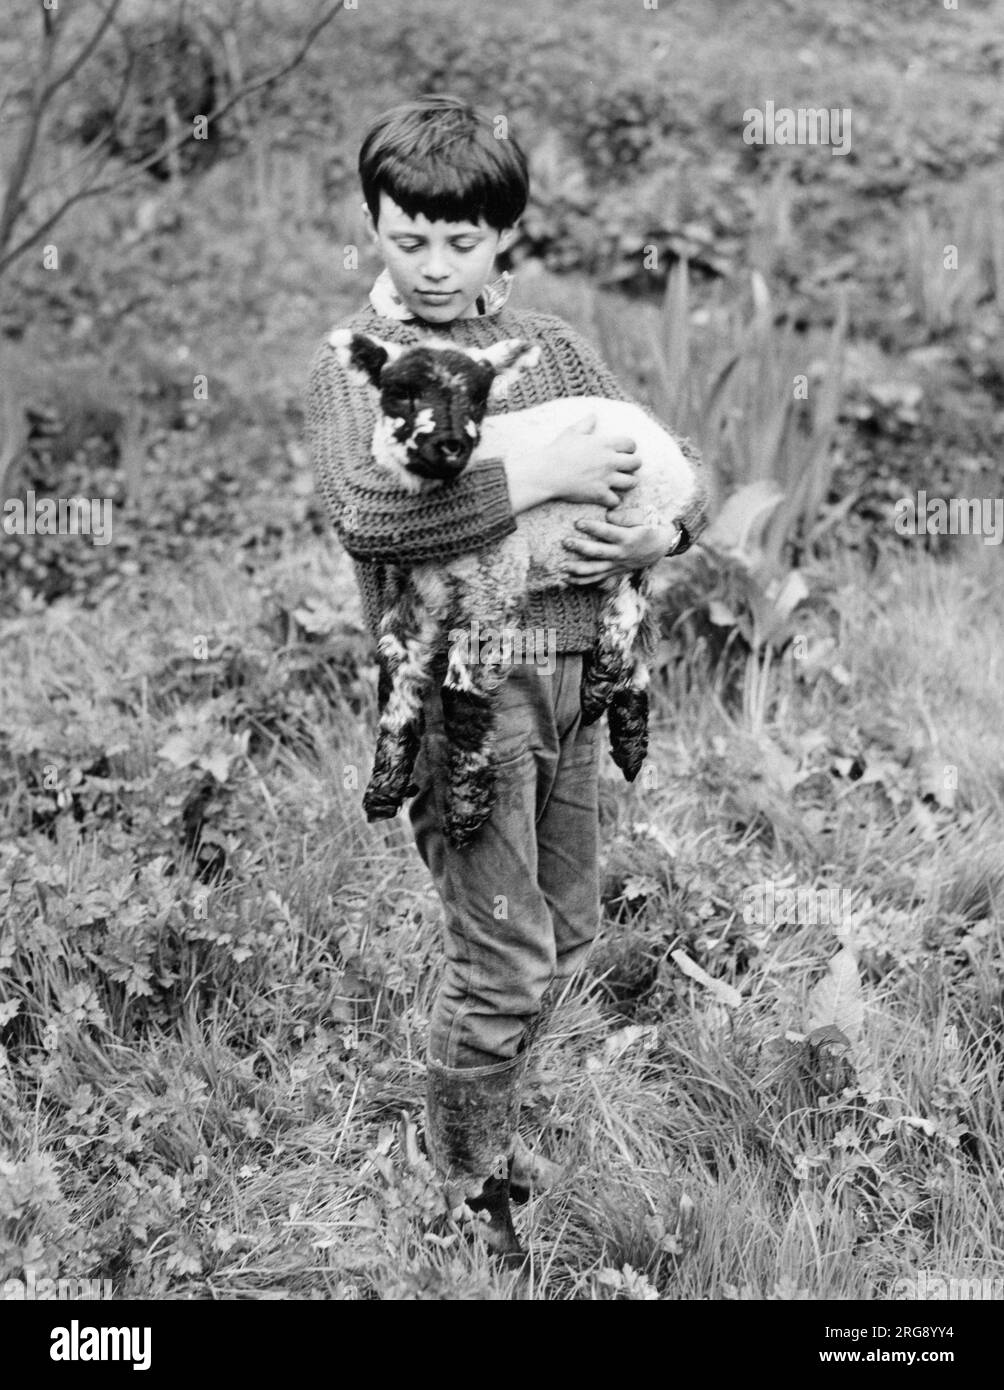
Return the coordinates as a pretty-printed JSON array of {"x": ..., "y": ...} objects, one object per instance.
[{"x": 522, "y": 901}]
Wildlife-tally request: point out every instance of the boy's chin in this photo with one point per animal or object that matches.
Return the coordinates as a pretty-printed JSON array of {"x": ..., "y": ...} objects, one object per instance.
[{"x": 446, "y": 312}]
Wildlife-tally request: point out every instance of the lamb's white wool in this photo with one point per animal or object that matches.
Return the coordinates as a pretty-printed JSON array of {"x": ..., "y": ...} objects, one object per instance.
[
  {"x": 665, "y": 483},
  {"x": 392, "y": 454}
]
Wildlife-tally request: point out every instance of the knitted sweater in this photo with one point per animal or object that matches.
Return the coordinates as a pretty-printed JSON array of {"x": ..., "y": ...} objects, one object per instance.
[{"x": 383, "y": 526}]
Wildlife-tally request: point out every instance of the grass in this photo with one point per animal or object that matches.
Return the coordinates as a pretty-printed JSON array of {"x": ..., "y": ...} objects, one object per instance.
[{"x": 245, "y": 1138}]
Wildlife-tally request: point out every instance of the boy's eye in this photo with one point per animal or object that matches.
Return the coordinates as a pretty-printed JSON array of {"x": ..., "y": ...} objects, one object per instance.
[{"x": 457, "y": 246}]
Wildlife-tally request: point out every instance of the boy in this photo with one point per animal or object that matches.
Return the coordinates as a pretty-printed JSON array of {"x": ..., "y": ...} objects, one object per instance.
[{"x": 443, "y": 197}]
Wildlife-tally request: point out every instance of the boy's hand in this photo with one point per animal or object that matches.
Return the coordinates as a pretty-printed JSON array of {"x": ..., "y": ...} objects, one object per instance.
[
  {"x": 617, "y": 548},
  {"x": 583, "y": 466}
]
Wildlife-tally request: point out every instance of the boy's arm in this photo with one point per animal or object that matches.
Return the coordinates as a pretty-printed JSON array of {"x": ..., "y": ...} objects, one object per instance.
[
  {"x": 374, "y": 517},
  {"x": 594, "y": 378}
]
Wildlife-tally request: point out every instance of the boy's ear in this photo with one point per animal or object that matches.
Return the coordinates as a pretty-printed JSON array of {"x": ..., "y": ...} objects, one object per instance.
[
  {"x": 362, "y": 356},
  {"x": 507, "y": 236},
  {"x": 508, "y": 359},
  {"x": 369, "y": 225}
]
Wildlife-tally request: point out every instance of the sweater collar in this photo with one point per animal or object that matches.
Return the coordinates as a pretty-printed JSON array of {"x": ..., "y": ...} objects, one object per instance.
[{"x": 387, "y": 302}]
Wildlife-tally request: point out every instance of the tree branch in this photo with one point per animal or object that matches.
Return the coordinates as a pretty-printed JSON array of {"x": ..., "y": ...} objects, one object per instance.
[
  {"x": 12, "y": 203},
  {"x": 171, "y": 143},
  {"x": 101, "y": 139},
  {"x": 75, "y": 64}
]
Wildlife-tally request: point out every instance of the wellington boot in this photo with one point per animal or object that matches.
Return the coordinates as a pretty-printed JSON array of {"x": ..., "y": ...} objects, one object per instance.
[{"x": 470, "y": 1125}]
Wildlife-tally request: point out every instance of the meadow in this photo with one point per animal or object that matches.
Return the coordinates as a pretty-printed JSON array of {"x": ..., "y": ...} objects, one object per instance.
[{"x": 780, "y": 1077}]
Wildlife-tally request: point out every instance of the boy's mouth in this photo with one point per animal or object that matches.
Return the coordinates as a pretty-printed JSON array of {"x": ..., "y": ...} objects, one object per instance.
[{"x": 435, "y": 296}]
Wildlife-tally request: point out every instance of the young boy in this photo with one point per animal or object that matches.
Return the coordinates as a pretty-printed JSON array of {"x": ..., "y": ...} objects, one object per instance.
[{"x": 443, "y": 197}]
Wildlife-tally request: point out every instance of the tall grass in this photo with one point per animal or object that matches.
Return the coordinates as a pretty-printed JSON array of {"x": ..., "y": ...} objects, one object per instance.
[
  {"x": 955, "y": 257},
  {"x": 250, "y": 1126}
]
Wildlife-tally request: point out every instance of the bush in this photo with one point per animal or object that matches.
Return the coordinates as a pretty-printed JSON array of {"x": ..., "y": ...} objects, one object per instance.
[{"x": 162, "y": 74}]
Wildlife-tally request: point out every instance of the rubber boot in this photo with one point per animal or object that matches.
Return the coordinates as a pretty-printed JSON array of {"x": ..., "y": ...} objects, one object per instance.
[{"x": 470, "y": 1123}]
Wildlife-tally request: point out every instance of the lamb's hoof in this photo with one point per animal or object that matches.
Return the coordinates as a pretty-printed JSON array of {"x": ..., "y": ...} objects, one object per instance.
[
  {"x": 629, "y": 759},
  {"x": 380, "y": 807},
  {"x": 628, "y": 724}
]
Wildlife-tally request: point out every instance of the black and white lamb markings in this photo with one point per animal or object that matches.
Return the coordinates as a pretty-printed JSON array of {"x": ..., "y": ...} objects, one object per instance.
[{"x": 433, "y": 419}]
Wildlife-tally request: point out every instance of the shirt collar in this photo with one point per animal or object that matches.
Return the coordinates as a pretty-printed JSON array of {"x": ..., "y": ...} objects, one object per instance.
[{"x": 387, "y": 302}]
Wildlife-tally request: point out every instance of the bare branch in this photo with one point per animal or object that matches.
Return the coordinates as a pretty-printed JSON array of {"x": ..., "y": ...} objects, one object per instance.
[
  {"x": 75, "y": 64},
  {"x": 43, "y": 90},
  {"x": 270, "y": 77},
  {"x": 100, "y": 140},
  {"x": 170, "y": 144}
]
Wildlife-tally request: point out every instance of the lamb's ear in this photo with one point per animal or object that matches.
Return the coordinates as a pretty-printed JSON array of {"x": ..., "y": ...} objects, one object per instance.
[
  {"x": 362, "y": 356},
  {"x": 508, "y": 359}
]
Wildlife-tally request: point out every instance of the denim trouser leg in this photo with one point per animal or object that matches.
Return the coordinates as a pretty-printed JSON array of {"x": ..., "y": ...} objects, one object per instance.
[{"x": 522, "y": 902}]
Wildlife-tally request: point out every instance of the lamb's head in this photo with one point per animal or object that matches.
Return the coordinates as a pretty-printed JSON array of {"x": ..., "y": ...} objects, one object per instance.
[{"x": 433, "y": 397}]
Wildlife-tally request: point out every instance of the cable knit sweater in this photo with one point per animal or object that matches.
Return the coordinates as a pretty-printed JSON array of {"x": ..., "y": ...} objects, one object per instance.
[{"x": 383, "y": 525}]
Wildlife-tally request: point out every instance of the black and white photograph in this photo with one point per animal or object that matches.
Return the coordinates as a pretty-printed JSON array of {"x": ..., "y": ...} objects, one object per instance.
[{"x": 502, "y": 666}]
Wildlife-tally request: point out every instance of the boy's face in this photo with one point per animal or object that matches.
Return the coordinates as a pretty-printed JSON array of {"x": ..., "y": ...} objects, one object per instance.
[{"x": 438, "y": 268}]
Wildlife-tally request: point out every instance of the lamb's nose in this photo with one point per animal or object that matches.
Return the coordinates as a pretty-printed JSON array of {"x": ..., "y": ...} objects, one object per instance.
[{"x": 451, "y": 449}]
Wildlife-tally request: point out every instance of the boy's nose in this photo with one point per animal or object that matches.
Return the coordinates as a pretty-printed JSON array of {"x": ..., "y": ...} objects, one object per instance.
[{"x": 435, "y": 269}]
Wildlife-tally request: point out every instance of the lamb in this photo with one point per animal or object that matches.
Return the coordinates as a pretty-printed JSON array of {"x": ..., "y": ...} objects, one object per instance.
[{"x": 432, "y": 422}]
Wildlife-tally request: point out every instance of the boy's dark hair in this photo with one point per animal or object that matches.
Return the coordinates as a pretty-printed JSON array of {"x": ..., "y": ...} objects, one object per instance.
[{"x": 438, "y": 156}]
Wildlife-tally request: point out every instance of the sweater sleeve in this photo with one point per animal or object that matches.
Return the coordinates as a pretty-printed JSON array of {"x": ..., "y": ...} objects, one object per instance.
[
  {"x": 375, "y": 518},
  {"x": 589, "y": 375}
]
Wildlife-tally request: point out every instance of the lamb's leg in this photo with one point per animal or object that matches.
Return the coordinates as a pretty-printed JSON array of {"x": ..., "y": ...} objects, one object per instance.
[
  {"x": 607, "y": 668},
  {"x": 408, "y": 633},
  {"x": 626, "y": 634},
  {"x": 627, "y": 722},
  {"x": 469, "y": 698},
  {"x": 627, "y": 718},
  {"x": 399, "y": 732}
]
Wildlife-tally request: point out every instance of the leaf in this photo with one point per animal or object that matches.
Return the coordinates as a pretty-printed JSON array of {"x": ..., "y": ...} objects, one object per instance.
[
  {"x": 743, "y": 515},
  {"x": 935, "y": 783},
  {"x": 645, "y": 1035},
  {"x": 920, "y": 1122},
  {"x": 836, "y": 1000},
  {"x": 638, "y": 886},
  {"x": 179, "y": 750},
  {"x": 831, "y": 1038},
  {"x": 724, "y": 993},
  {"x": 641, "y": 827},
  {"x": 216, "y": 762},
  {"x": 720, "y": 614},
  {"x": 318, "y": 618},
  {"x": 780, "y": 767},
  {"x": 792, "y": 591}
]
